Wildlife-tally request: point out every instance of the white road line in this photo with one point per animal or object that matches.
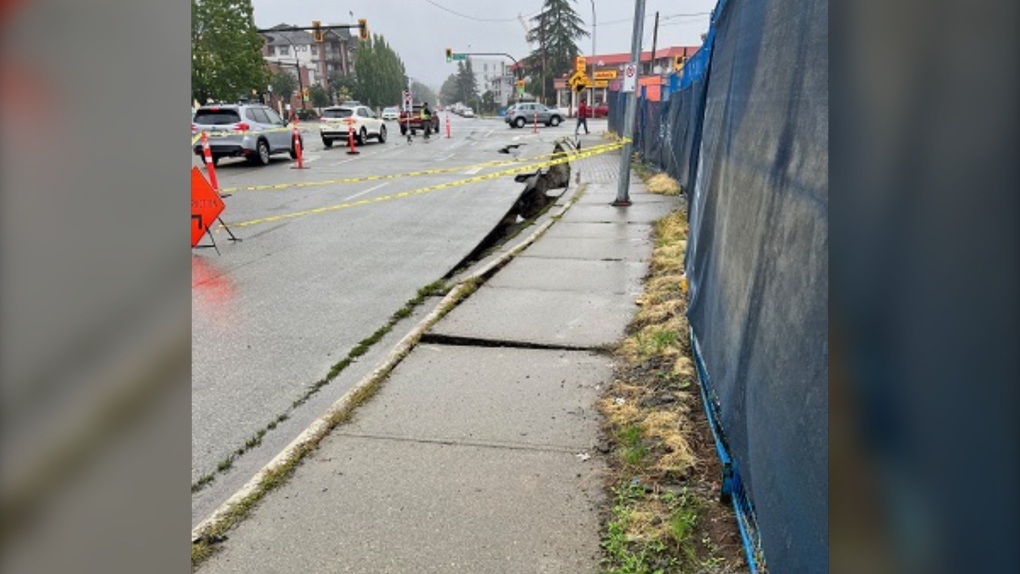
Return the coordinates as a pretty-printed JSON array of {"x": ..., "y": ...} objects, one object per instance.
[
  {"x": 488, "y": 133},
  {"x": 517, "y": 138},
  {"x": 371, "y": 189},
  {"x": 473, "y": 171}
]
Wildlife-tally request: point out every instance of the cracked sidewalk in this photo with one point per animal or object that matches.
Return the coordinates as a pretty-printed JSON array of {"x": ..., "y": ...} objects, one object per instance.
[{"x": 478, "y": 454}]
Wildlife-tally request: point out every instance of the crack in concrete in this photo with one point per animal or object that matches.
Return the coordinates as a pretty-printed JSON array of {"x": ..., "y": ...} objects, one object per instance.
[
  {"x": 469, "y": 443},
  {"x": 455, "y": 341}
]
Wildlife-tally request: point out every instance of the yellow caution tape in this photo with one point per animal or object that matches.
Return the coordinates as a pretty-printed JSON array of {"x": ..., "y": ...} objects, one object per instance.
[
  {"x": 557, "y": 159},
  {"x": 365, "y": 178}
]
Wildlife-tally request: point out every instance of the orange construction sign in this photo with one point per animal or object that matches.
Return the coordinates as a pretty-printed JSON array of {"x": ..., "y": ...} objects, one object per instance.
[{"x": 206, "y": 206}]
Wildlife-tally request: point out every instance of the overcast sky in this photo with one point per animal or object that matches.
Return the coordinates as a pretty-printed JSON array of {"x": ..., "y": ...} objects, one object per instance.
[{"x": 420, "y": 31}]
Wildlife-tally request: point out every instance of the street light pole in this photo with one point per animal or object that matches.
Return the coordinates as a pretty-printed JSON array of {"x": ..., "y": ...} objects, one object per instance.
[{"x": 623, "y": 190}]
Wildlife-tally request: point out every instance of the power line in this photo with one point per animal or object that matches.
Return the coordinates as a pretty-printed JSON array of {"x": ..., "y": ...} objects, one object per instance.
[
  {"x": 667, "y": 17},
  {"x": 476, "y": 19}
]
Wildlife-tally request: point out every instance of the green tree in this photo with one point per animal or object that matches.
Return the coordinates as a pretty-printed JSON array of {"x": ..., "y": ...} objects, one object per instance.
[
  {"x": 489, "y": 102},
  {"x": 449, "y": 93},
  {"x": 226, "y": 51},
  {"x": 284, "y": 84},
  {"x": 340, "y": 86},
  {"x": 318, "y": 95},
  {"x": 379, "y": 73},
  {"x": 555, "y": 30},
  {"x": 422, "y": 93},
  {"x": 467, "y": 85}
]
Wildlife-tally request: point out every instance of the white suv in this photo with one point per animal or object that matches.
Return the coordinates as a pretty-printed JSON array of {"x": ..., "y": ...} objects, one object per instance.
[{"x": 336, "y": 120}]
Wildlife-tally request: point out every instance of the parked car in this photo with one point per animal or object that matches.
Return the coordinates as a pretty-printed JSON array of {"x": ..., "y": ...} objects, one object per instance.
[
  {"x": 335, "y": 124},
  {"x": 414, "y": 121},
  {"x": 252, "y": 131},
  {"x": 599, "y": 111},
  {"x": 468, "y": 113},
  {"x": 391, "y": 113},
  {"x": 523, "y": 114}
]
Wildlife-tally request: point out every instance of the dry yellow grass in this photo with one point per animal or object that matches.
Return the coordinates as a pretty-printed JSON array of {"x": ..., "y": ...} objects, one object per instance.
[
  {"x": 684, "y": 367},
  {"x": 663, "y": 185},
  {"x": 646, "y": 521},
  {"x": 656, "y": 312}
]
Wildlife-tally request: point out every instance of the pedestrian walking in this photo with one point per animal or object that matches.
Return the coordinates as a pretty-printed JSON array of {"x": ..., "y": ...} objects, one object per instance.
[{"x": 582, "y": 118}]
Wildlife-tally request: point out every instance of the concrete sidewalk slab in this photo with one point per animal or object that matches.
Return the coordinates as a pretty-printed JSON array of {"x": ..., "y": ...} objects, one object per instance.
[
  {"x": 369, "y": 506},
  {"x": 532, "y": 316},
  {"x": 637, "y": 213},
  {"x": 465, "y": 461},
  {"x": 526, "y": 272},
  {"x": 606, "y": 193},
  {"x": 497, "y": 396},
  {"x": 618, "y": 230},
  {"x": 592, "y": 249}
]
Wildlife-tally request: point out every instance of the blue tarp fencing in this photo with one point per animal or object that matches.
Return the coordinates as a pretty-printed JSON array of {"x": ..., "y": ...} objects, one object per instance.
[{"x": 746, "y": 136}]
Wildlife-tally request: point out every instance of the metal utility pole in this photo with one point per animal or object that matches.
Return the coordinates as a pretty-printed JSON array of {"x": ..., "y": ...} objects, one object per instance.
[
  {"x": 655, "y": 40},
  {"x": 541, "y": 42},
  {"x": 629, "y": 111}
]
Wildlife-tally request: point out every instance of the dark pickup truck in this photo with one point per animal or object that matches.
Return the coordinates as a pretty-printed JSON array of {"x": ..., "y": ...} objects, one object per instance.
[{"x": 414, "y": 122}]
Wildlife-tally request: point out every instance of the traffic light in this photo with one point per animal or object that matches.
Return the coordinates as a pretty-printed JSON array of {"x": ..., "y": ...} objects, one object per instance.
[
  {"x": 363, "y": 29},
  {"x": 304, "y": 94},
  {"x": 678, "y": 62},
  {"x": 316, "y": 31},
  {"x": 449, "y": 54}
]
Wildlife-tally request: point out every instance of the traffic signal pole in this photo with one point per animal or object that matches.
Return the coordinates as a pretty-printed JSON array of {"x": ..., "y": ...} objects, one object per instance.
[{"x": 630, "y": 110}]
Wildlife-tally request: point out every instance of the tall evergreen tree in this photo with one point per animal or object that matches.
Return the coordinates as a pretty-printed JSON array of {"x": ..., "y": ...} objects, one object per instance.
[
  {"x": 226, "y": 51},
  {"x": 467, "y": 85},
  {"x": 379, "y": 73},
  {"x": 555, "y": 30},
  {"x": 449, "y": 92}
]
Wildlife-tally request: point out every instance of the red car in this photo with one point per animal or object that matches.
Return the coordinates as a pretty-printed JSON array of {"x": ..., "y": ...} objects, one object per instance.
[{"x": 599, "y": 111}]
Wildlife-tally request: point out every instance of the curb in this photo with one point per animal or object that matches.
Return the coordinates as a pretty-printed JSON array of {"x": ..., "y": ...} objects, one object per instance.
[{"x": 346, "y": 404}]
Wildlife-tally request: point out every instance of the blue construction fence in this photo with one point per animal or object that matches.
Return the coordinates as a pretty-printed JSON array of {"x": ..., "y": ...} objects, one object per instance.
[{"x": 744, "y": 130}]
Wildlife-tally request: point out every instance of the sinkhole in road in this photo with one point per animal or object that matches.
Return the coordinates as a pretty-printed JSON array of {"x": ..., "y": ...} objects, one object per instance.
[{"x": 534, "y": 200}]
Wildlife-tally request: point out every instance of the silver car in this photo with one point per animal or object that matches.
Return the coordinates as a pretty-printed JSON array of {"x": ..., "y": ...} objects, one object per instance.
[
  {"x": 524, "y": 114},
  {"x": 252, "y": 131}
]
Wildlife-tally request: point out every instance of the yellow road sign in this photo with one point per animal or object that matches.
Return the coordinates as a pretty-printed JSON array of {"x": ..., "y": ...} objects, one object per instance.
[
  {"x": 605, "y": 75},
  {"x": 580, "y": 63},
  {"x": 601, "y": 84}
]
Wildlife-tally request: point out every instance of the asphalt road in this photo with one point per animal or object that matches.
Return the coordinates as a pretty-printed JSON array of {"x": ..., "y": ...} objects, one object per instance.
[{"x": 272, "y": 313}]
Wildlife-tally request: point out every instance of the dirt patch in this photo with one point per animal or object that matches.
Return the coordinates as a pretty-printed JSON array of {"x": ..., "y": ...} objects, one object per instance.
[{"x": 665, "y": 513}]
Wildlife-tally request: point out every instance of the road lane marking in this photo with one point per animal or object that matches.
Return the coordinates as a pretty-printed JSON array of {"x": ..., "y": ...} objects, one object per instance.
[
  {"x": 472, "y": 171},
  {"x": 371, "y": 189}
]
